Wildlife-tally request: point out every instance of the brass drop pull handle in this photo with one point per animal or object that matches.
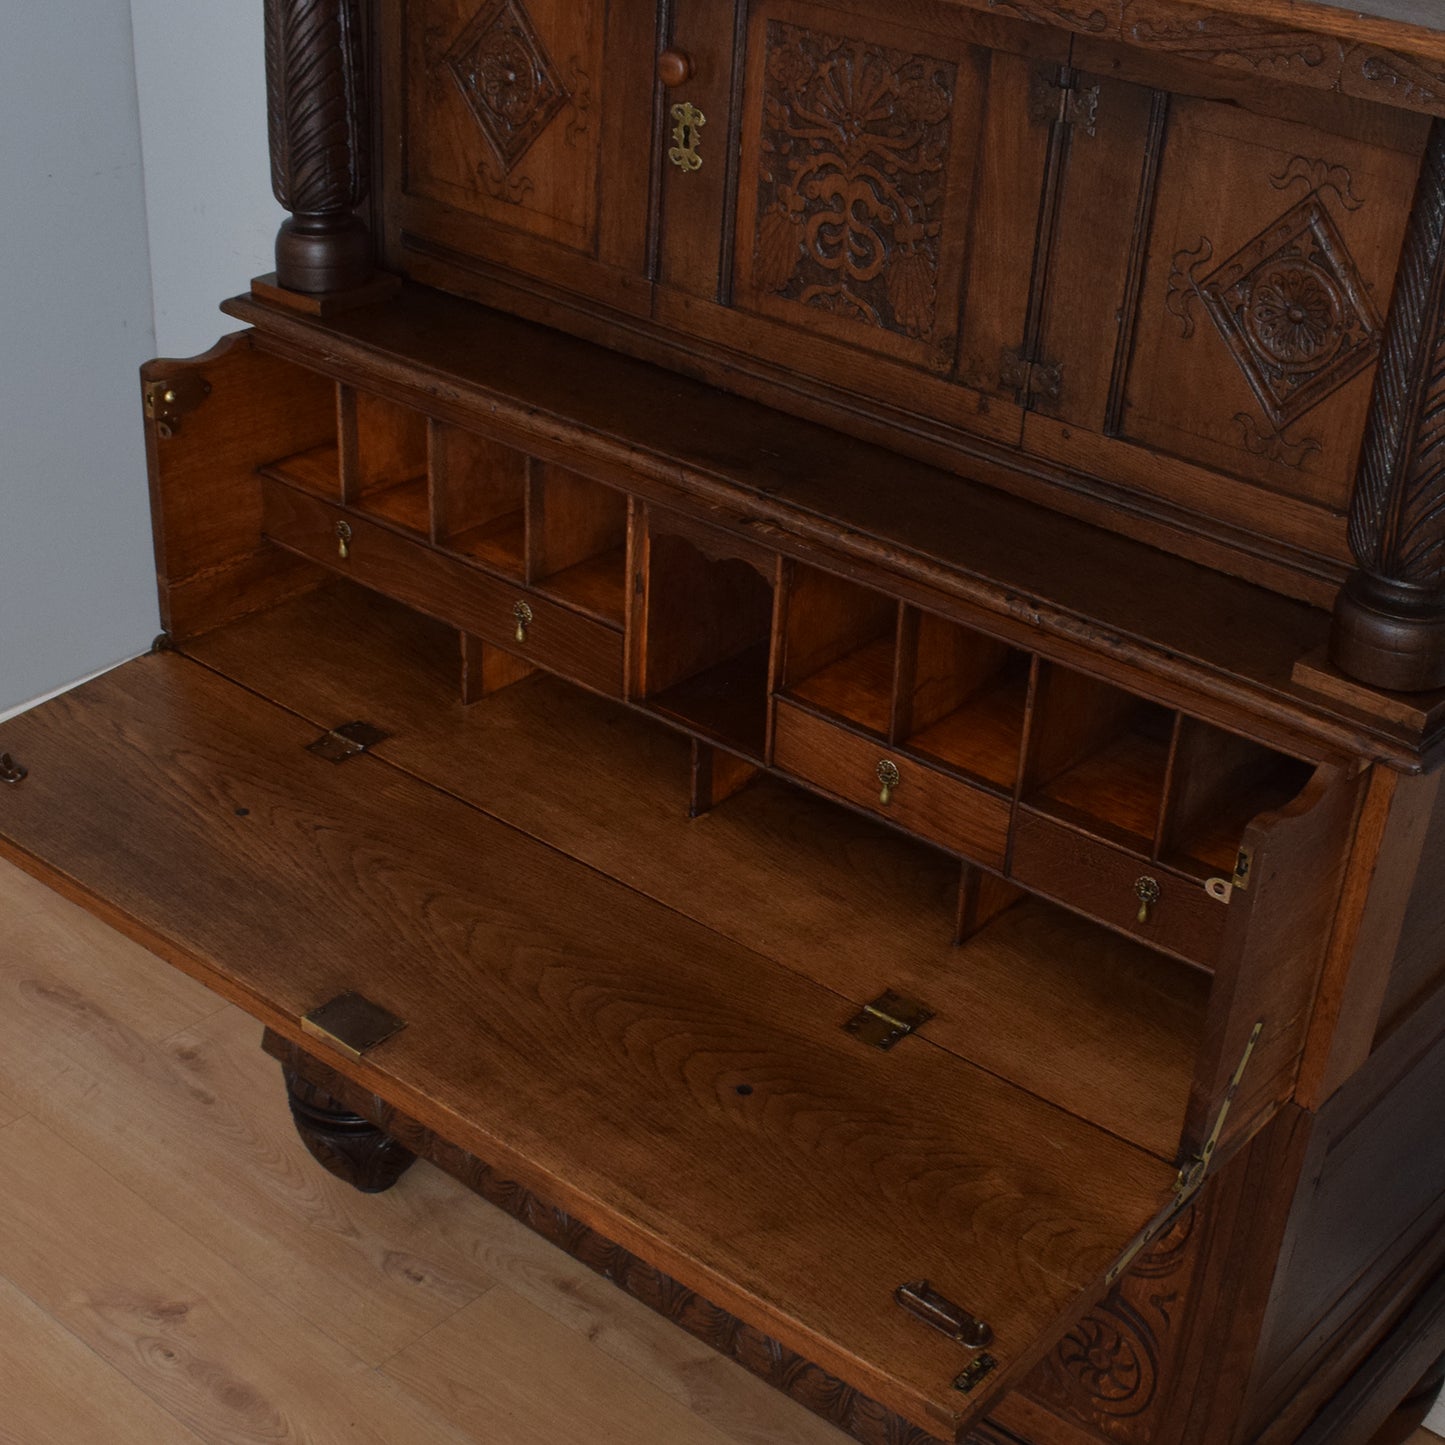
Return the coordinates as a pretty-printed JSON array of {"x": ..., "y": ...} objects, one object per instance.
[
  {"x": 674, "y": 68},
  {"x": 343, "y": 540},
  {"x": 890, "y": 777},
  {"x": 688, "y": 123},
  {"x": 1148, "y": 892},
  {"x": 523, "y": 615}
]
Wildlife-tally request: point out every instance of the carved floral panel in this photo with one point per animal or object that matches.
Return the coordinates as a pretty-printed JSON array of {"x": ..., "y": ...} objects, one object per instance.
[{"x": 855, "y": 150}]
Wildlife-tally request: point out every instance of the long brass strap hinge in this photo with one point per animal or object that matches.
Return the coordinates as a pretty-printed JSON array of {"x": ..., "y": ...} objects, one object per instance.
[{"x": 1192, "y": 1173}]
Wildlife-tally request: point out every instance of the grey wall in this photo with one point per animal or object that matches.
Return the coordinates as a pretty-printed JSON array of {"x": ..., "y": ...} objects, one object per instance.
[
  {"x": 125, "y": 219},
  {"x": 76, "y": 583}
]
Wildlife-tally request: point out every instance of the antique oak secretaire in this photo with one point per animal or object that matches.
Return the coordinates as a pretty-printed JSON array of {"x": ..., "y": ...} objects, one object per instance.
[{"x": 806, "y": 639}]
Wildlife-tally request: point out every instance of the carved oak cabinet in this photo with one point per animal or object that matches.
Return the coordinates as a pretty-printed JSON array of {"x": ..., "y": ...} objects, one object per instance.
[{"x": 806, "y": 640}]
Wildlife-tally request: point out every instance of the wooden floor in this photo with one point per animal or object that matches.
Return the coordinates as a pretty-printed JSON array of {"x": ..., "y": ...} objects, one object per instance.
[{"x": 174, "y": 1268}]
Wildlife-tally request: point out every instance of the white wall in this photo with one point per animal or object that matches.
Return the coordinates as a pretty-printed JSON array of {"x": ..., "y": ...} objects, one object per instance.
[
  {"x": 137, "y": 199},
  {"x": 200, "y": 69},
  {"x": 77, "y": 586}
]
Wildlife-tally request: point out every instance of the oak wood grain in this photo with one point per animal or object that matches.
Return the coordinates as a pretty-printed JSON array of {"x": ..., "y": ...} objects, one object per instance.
[
  {"x": 58, "y": 1391},
  {"x": 175, "y": 1318},
  {"x": 561, "y": 1043},
  {"x": 773, "y": 869}
]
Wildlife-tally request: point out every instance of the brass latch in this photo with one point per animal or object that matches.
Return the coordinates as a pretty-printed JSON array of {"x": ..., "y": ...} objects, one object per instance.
[
  {"x": 352, "y": 1024},
  {"x": 973, "y": 1373},
  {"x": 349, "y": 740},
  {"x": 1243, "y": 865},
  {"x": 919, "y": 1298},
  {"x": 167, "y": 401},
  {"x": 887, "y": 1019},
  {"x": 1192, "y": 1174}
]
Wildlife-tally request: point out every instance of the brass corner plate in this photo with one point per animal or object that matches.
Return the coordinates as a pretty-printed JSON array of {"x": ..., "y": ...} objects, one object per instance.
[
  {"x": 347, "y": 741},
  {"x": 890, "y": 1017},
  {"x": 352, "y": 1024}
]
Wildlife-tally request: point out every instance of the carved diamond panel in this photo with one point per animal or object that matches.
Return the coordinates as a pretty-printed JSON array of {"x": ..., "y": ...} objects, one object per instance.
[
  {"x": 855, "y": 145},
  {"x": 508, "y": 79},
  {"x": 1294, "y": 311}
]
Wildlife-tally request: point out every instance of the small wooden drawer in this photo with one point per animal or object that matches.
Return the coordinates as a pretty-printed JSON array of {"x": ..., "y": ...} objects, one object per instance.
[
  {"x": 1111, "y": 885},
  {"x": 945, "y": 810},
  {"x": 447, "y": 588}
]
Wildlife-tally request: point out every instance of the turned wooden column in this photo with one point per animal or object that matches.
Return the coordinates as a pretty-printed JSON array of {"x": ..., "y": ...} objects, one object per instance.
[
  {"x": 317, "y": 103},
  {"x": 1389, "y": 628}
]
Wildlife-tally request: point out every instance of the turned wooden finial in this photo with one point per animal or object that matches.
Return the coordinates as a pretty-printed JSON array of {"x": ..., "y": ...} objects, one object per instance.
[
  {"x": 1389, "y": 628},
  {"x": 316, "y": 89}
]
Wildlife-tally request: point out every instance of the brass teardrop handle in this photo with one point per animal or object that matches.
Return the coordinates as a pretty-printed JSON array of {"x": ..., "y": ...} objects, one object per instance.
[
  {"x": 674, "y": 68},
  {"x": 343, "y": 540},
  {"x": 523, "y": 616},
  {"x": 1148, "y": 892},
  {"x": 890, "y": 777}
]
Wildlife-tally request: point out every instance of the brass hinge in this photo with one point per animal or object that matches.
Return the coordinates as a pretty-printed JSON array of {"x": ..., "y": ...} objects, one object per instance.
[
  {"x": 1192, "y": 1173},
  {"x": 352, "y": 1024},
  {"x": 1030, "y": 379},
  {"x": 167, "y": 401},
  {"x": 887, "y": 1019},
  {"x": 349, "y": 740},
  {"x": 1056, "y": 97}
]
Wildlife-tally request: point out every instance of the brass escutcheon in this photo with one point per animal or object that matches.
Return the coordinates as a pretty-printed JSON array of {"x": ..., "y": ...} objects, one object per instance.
[
  {"x": 343, "y": 540},
  {"x": 685, "y": 134},
  {"x": 1148, "y": 892},
  {"x": 523, "y": 615},
  {"x": 890, "y": 777}
]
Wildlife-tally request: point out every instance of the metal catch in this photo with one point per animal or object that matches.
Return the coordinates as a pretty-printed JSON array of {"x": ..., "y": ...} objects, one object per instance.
[
  {"x": 167, "y": 401},
  {"x": 919, "y": 1298}
]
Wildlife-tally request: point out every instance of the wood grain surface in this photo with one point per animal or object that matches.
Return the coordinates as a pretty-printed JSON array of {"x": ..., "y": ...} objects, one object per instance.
[
  {"x": 677, "y": 1091},
  {"x": 288, "y": 1216}
]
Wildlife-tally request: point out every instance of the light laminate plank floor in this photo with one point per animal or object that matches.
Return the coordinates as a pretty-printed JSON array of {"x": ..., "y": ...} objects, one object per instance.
[{"x": 174, "y": 1268}]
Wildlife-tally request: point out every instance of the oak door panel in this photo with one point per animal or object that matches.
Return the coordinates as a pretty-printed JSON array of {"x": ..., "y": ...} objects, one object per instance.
[
  {"x": 881, "y": 212},
  {"x": 518, "y": 134},
  {"x": 1223, "y": 265}
]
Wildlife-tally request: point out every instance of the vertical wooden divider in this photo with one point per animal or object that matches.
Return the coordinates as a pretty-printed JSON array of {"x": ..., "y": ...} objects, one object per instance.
[
  {"x": 1172, "y": 778},
  {"x": 905, "y": 674}
]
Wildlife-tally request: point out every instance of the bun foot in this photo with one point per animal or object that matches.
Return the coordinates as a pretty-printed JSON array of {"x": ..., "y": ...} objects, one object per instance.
[{"x": 343, "y": 1143}]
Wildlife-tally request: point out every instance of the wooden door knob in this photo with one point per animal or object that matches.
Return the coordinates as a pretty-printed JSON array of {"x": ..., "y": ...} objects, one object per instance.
[{"x": 674, "y": 68}]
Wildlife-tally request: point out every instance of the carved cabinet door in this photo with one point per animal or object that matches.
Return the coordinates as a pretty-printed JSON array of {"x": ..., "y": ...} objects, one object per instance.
[
  {"x": 854, "y": 196},
  {"x": 518, "y": 134},
  {"x": 1224, "y": 257}
]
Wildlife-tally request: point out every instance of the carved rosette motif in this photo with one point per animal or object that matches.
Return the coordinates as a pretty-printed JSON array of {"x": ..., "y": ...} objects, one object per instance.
[
  {"x": 855, "y": 143},
  {"x": 507, "y": 79},
  {"x": 1110, "y": 1368}
]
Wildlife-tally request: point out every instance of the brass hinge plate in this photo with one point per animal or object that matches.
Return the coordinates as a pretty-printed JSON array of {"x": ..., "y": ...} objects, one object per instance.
[
  {"x": 1192, "y": 1174},
  {"x": 1030, "y": 379},
  {"x": 170, "y": 399},
  {"x": 349, "y": 740},
  {"x": 889, "y": 1018},
  {"x": 352, "y": 1024},
  {"x": 1056, "y": 97}
]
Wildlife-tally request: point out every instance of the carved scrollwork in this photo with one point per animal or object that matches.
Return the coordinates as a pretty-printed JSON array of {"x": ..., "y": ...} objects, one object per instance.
[
  {"x": 1319, "y": 175},
  {"x": 855, "y": 150}
]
